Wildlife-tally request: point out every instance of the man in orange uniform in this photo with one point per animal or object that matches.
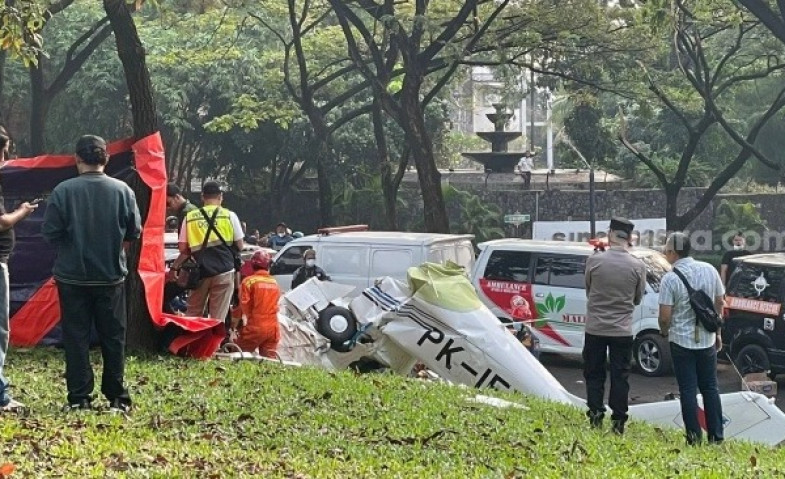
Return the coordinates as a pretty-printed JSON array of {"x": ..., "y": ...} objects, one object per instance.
[{"x": 259, "y": 295}]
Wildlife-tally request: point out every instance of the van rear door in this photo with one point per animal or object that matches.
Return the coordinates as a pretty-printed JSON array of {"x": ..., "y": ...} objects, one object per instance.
[
  {"x": 459, "y": 252},
  {"x": 392, "y": 262}
]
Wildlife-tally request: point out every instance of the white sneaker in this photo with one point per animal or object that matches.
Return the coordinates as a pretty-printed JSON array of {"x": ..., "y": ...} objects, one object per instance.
[{"x": 12, "y": 406}]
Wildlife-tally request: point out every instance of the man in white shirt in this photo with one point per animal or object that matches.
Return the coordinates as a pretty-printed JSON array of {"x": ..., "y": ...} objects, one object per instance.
[
  {"x": 693, "y": 348},
  {"x": 525, "y": 166}
]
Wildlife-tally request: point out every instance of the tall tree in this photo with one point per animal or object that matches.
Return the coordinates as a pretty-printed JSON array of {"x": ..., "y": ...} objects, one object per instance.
[
  {"x": 380, "y": 36},
  {"x": 141, "y": 333},
  {"x": 717, "y": 53}
]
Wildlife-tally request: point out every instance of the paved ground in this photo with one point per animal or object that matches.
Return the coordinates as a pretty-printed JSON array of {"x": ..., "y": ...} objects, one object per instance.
[{"x": 568, "y": 371}]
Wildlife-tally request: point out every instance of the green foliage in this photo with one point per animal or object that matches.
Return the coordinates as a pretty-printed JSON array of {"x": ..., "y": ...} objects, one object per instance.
[
  {"x": 20, "y": 26},
  {"x": 699, "y": 175},
  {"x": 584, "y": 126},
  {"x": 249, "y": 419},
  {"x": 732, "y": 216},
  {"x": 455, "y": 143},
  {"x": 474, "y": 216}
]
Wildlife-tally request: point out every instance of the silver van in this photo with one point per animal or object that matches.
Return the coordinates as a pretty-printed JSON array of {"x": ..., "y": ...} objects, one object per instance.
[{"x": 359, "y": 257}]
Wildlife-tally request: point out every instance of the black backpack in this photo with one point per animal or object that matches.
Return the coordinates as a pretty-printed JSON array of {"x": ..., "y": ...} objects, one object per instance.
[{"x": 702, "y": 305}]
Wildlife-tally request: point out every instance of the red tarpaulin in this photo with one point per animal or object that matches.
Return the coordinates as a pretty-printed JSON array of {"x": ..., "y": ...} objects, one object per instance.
[{"x": 35, "y": 311}]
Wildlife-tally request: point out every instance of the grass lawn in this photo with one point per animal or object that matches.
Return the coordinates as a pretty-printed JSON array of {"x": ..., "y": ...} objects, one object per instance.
[{"x": 246, "y": 419}]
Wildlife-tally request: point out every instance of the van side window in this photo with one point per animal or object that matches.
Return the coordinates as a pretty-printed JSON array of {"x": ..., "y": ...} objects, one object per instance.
[
  {"x": 744, "y": 280},
  {"x": 349, "y": 261},
  {"x": 391, "y": 262},
  {"x": 562, "y": 270},
  {"x": 290, "y": 260},
  {"x": 508, "y": 266}
]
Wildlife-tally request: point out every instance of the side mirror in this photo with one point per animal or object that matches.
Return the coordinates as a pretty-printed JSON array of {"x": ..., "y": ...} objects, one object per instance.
[{"x": 274, "y": 268}]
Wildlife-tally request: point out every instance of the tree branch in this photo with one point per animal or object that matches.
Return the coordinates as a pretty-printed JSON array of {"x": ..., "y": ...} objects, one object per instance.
[
  {"x": 73, "y": 63},
  {"x": 449, "y": 32},
  {"x": 658, "y": 173},
  {"x": 766, "y": 15},
  {"x": 445, "y": 78}
]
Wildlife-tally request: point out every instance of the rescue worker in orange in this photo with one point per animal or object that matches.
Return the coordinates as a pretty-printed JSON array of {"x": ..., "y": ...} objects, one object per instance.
[{"x": 259, "y": 295}]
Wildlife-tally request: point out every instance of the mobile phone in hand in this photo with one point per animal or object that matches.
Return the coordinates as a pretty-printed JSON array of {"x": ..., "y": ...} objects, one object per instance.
[{"x": 35, "y": 201}]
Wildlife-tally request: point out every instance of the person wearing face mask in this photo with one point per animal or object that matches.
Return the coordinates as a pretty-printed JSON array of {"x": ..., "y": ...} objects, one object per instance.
[
  {"x": 727, "y": 265},
  {"x": 303, "y": 273},
  {"x": 280, "y": 238}
]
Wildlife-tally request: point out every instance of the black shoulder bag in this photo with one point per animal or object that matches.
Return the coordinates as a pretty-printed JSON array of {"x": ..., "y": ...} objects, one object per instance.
[
  {"x": 238, "y": 262},
  {"x": 702, "y": 305},
  {"x": 190, "y": 272}
]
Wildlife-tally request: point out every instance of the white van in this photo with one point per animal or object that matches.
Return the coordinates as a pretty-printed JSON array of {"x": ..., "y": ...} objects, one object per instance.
[
  {"x": 359, "y": 257},
  {"x": 541, "y": 283}
]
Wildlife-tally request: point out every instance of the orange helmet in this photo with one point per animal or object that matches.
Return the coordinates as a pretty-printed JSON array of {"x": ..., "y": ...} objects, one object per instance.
[{"x": 261, "y": 259}]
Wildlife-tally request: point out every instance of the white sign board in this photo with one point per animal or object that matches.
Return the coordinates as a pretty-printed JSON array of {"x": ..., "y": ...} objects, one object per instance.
[{"x": 650, "y": 231}]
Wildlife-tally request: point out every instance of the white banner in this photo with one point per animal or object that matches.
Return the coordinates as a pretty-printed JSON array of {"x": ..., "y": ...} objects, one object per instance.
[{"x": 649, "y": 231}]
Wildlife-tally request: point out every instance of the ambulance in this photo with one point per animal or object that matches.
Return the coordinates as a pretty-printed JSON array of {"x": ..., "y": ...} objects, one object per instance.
[{"x": 541, "y": 284}]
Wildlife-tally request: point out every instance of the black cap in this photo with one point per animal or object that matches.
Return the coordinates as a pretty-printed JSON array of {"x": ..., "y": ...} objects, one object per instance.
[
  {"x": 88, "y": 143},
  {"x": 622, "y": 227},
  {"x": 211, "y": 188},
  {"x": 172, "y": 189},
  {"x": 281, "y": 224}
]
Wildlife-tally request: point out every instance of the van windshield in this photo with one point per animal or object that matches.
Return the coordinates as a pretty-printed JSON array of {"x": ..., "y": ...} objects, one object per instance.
[{"x": 656, "y": 267}]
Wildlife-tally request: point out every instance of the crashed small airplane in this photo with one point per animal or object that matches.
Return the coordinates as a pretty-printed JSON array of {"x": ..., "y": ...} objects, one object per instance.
[{"x": 438, "y": 320}]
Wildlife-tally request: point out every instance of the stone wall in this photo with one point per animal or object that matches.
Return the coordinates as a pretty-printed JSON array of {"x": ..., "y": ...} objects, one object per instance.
[{"x": 301, "y": 211}]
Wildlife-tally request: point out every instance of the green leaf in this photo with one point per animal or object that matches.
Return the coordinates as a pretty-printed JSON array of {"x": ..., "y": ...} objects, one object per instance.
[
  {"x": 542, "y": 310},
  {"x": 550, "y": 303},
  {"x": 560, "y": 302}
]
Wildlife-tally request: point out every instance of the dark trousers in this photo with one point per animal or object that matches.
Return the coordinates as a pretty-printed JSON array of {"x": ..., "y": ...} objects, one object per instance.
[
  {"x": 596, "y": 349},
  {"x": 527, "y": 178},
  {"x": 696, "y": 370},
  {"x": 81, "y": 308}
]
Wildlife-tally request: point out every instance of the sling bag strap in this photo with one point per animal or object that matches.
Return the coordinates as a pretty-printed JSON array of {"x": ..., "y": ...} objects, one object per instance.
[
  {"x": 690, "y": 290},
  {"x": 211, "y": 227},
  {"x": 687, "y": 285}
]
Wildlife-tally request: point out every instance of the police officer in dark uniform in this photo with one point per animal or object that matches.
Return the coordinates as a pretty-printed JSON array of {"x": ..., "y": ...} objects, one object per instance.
[
  {"x": 615, "y": 283},
  {"x": 309, "y": 270}
]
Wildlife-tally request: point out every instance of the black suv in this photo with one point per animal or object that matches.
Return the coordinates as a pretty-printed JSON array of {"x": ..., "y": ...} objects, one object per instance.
[{"x": 754, "y": 332}]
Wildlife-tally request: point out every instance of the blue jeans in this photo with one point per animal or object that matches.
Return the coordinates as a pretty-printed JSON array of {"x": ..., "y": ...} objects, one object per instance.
[
  {"x": 696, "y": 370},
  {"x": 4, "y": 332}
]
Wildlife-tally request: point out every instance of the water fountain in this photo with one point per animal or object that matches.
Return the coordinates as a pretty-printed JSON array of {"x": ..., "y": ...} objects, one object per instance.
[{"x": 498, "y": 160}]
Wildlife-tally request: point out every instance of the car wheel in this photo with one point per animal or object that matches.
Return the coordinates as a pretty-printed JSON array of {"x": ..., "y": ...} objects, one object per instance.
[
  {"x": 338, "y": 325},
  {"x": 652, "y": 355},
  {"x": 752, "y": 358}
]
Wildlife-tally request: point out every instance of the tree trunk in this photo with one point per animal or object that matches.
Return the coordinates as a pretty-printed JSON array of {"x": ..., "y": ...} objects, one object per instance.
[
  {"x": 3, "y": 56},
  {"x": 673, "y": 222},
  {"x": 141, "y": 333},
  {"x": 417, "y": 138},
  {"x": 39, "y": 108},
  {"x": 325, "y": 185},
  {"x": 389, "y": 189}
]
